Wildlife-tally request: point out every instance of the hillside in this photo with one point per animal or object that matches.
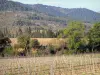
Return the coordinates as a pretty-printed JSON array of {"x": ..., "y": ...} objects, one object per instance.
[
  {"x": 32, "y": 19},
  {"x": 7, "y": 5},
  {"x": 15, "y": 16},
  {"x": 80, "y": 14}
]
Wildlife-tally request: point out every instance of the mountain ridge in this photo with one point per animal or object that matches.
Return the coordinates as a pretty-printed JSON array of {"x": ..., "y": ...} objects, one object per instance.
[
  {"x": 78, "y": 14},
  {"x": 44, "y": 15}
]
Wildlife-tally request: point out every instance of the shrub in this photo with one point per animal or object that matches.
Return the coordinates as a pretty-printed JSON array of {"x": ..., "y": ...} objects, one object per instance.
[
  {"x": 51, "y": 49},
  {"x": 34, "y": 43},
  {"x": 8, "y": 51},
  {"x": 23, "y": 40},
  {"x": 69, "y": 52}
]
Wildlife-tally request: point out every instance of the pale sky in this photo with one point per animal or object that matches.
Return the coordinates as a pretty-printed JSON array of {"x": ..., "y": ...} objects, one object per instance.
[{"x": 90, "y": 4}]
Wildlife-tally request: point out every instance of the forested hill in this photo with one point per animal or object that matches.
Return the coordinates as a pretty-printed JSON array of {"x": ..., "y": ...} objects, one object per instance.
[
  {"x": 8, "y": 5},
  {"x": 80, "y": 14}
]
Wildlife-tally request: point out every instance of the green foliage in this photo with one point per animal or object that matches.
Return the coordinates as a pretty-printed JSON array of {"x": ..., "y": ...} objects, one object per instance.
[
  {"x": 60, "y": 34},
  {"x": 69, "y": 52},
  {"x": 50, "y": 33},
  {"x": 8, "y": 50},
  {"x": 22, "y": 40},
  {"x": 4, "y": 42},
  {"x": 94, "y": 36},
  {"x": 34, "y": 43},
  {"x": 74, "y": 33},
  {"x": 51, "y": 49}
]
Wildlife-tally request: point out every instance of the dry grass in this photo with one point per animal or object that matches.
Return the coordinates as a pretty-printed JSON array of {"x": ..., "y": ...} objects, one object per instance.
[
  {"x": 43, "y": 41},
  {"x": 88, "y": 64}
]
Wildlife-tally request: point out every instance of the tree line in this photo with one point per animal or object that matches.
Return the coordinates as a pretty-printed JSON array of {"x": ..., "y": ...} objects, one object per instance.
[
  {"x": 33, "y": 32},
  {"x": 78, "y": 41}
]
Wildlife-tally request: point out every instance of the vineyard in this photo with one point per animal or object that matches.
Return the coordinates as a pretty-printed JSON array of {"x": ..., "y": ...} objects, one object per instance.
[{"x": 86, "y": 64}]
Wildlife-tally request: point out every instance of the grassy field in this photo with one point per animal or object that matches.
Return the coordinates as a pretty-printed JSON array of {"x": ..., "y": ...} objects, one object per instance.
[
  {"x": 44, "y": 41},
  {"x": 87, "y": 64}
]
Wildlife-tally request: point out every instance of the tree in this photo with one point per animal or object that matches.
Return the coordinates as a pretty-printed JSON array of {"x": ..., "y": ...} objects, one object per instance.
[
  {"x": 35, "y": 43},
  {"x": 74, "y": 32},
  {"x": 50, "y": 49},
  {"x": 8, "y": 51},
  {"x": 24, "y": 41},
  {"x": 94, "y": 37},
  {"x": 50, "y": 33},
  {"x": 60, "y": 34},
  {"x": 4, "y": 41},
  {"x": 20, "y": 32},
  {"x": 28, "y": 31}
]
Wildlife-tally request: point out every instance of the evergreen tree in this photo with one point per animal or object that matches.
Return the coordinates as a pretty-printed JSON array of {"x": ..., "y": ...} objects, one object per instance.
[{"x": 20, "y": 32}]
